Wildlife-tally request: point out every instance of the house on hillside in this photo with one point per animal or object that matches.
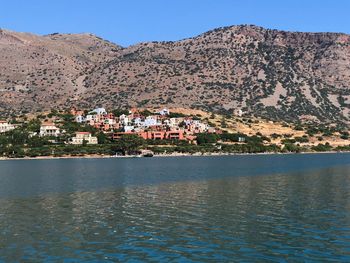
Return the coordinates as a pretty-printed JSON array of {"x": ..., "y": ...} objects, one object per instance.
[
  {"x": 49, "y": 129},
  {"x": 124, "y": 119},
  {"x": 79, "y": 118},
  {"x": 129, "y": 128},
  {"x": 99, "y": 111},
  {"x": 164, "y": 111},
  {"x": 80, "y": 137},
  {"x": 174, "y": 122},
  {"x": 238, "y": 112},
  {"x": 5, "y": 126},
  {"x": 151, "y": 121}
]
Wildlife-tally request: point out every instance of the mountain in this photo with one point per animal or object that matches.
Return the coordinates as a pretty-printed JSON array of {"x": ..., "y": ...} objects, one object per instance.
[
  {"x": 41, "y": 72},
  {"x": 275, "y": 74}
]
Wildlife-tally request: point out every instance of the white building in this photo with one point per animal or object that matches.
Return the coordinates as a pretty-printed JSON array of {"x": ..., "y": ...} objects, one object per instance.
[
  {"x": 80, "y": 137},
  {"x": 238, "y": 112},
  {"x": 128, "y": 128},
  {"x": 110, "y": 121},
  {"x": 5, "y": 126},
  {"x": 124, "y": 120},
  {"x": 91, "y": 117},
  {"x": 79, "y": 119},
  {"x": 164, "y": 111},
  {"x": 138, "y": 122},
  {"x": 241, "y": 139},
  {"x": 174, "y": 122},
  {"x": 49, "y": 129},
  {"x": 151, "y": 121},
  {"x": 99, "y": 111}
]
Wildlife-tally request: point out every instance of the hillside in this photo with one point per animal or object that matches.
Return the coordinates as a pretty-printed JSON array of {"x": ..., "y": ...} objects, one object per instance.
[
  {"x": 41, "y": 72},
  {"x": 274, "y": 74}
]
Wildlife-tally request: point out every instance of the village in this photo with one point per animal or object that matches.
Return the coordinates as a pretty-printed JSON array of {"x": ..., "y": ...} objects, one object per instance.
[
  {"x": 160, "y": 125},
  {"x": 99, "y": 132}
]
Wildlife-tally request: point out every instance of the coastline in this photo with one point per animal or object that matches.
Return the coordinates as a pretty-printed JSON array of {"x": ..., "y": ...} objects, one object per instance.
[{"x": 162, "y": 155}]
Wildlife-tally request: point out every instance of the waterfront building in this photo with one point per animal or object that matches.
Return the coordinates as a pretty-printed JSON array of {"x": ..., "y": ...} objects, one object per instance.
[{"x": 80, "y": 137}]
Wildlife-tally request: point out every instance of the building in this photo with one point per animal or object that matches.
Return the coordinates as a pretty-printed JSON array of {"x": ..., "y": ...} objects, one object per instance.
[
  {"x": 195, "y": 126},
  {"x": 151, "y": 121},
  {"x": 124, "y": 120},
  {"x": 238, "y": 112},
  {"x": 241, "y": 139},
  {"x": 191, "y": 139},
  {"x": 79, "y": 118},
  {"x": 80, "y": 137},
  {"x": 99, "y": 111},
  {"x": 175, "y": 122},
  {"x": 129, "y": 128},
  {"x": 153, "y": 135},
  {"x": 164, "y": 111},
  {"x": 5, "y": 126},
  {"x": 49, "y": 129},
  {"x": 175, "y": 135},
  {"x": 92, "y": 118}
]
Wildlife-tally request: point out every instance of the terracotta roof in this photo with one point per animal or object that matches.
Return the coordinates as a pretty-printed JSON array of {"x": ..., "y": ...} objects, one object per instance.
[{"x": 48, "y": 124}]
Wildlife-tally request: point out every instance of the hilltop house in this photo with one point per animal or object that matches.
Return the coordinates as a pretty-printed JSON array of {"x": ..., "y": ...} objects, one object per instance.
[
  {"x": 5, "y": 126},
  {"x": 80, "y": 137}
]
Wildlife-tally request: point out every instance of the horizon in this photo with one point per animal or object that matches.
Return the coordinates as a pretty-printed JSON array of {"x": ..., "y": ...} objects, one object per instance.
[
  {"x": 200, "y": 33},
  {"x": 136, "y": 22}
]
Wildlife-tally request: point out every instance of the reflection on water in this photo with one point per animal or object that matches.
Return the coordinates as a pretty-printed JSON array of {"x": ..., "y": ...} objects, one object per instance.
[
  {"x": 295, "y": 217},
  {"x": 36, "y": 177}
]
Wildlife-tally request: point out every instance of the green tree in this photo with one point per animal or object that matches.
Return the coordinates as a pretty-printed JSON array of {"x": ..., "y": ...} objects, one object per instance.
[
  {"x": 291, "y": 147},
  {"x": 203, "y": 138},
  {"x": 128, "y": 144},
  {"x": 322, "y": 147},
  {"x": 34, "y": 125},
  {"x": 36, "y": 141},
  {"x": 102, "y": 138}
]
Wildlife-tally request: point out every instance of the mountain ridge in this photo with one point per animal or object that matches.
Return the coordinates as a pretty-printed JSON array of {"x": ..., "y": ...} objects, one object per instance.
[{"x": 291, "y": 76}]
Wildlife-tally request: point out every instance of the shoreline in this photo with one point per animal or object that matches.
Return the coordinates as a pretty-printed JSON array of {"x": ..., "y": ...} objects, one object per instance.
[{"x": 162, "y": 155}]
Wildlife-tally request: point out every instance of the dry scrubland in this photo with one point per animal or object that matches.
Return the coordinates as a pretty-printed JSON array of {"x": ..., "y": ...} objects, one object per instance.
[{"x": 277, "y": 75}]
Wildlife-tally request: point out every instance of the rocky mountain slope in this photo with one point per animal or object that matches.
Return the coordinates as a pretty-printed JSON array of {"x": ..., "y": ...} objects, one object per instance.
[{"x": 275, "y": 74}]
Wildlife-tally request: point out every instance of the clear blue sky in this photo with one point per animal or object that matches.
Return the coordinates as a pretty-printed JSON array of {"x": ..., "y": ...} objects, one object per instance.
[{"x": 127, "y": 22}]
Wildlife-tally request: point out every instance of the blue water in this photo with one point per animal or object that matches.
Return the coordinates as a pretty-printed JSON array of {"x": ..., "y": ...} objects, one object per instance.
[{"x": 182, "y": 209}]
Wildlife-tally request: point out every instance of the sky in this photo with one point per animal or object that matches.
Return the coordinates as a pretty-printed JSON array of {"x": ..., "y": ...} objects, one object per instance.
[{"x": 127, "y": 22}]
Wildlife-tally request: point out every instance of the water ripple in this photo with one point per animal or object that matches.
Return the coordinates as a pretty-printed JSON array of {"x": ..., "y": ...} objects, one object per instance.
[{"x": 274, "y": 218}]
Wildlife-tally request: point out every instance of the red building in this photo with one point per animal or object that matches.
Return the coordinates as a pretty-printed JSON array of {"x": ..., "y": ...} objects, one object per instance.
[{"x": 153, "y": 135}]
